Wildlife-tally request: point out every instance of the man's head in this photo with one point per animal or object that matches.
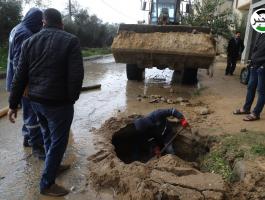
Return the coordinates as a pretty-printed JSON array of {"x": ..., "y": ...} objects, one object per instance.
[
  {"x": 52, "y": 18},
  {"x": 237, "y": 34},
  {"x": 33, "y": 20}
]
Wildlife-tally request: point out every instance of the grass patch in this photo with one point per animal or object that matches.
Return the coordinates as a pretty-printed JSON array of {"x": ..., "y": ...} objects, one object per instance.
[
  {"x": 258, "y": 149},
  {"x": 242, "y": 146},
  {"x": 95, "y": 51},
  {"x": 3, "y": 58},
  {"x": 215, "y": 163},
  {"x": 85, "y": 52}
]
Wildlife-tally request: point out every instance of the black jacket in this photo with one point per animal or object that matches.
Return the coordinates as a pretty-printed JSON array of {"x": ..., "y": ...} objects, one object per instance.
[
  {"x": 51, "y": 65},
  {"x": 258, "y": 52},
  {"x": 235, "y": 47}
]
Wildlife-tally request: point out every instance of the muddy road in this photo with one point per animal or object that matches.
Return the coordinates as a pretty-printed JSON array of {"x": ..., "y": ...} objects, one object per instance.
[{"x": 20, "y": 172}]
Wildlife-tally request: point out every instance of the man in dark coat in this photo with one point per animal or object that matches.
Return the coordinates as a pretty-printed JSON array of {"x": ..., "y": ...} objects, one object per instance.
[
  {"x": 31, "y": 24},
  {"x": 234, "y": 50},
  {"x": 51, "y": 65}
]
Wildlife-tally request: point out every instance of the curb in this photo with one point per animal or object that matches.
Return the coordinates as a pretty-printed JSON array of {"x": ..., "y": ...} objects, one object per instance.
[
  {"x": 3, "y": 74},
  {"x": 96, "y": 57}
]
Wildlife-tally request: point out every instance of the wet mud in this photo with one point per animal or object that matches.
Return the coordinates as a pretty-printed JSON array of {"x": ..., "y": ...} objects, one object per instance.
[{"x": 167, "y": 177}]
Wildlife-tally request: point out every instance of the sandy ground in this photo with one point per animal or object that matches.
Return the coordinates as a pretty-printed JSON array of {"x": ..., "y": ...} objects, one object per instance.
[
  {"x": 224, "y": 94},
  {"x": 20, "y": 172}
]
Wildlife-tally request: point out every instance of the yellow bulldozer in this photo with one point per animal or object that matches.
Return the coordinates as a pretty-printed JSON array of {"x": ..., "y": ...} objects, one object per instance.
[{"x": 164, "y": 43}]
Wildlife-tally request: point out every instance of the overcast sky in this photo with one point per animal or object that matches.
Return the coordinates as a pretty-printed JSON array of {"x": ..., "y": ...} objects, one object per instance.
[{"x": 113, "y": 11}]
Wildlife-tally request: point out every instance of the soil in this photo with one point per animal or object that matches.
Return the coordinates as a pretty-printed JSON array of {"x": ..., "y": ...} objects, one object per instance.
[
  {"x": 252, "y": 182},
  {"x": 170, "y": 177},
  {"x": 167, "y": 177},
  {"x": 173, "y": 42}
]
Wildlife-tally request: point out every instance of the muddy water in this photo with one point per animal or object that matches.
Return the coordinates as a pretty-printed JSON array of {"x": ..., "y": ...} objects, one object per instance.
[{"x": 20, "y": 172}]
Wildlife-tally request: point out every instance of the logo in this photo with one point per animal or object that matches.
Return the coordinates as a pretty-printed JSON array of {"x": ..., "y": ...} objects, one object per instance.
[{"x": 258, "y": 20}]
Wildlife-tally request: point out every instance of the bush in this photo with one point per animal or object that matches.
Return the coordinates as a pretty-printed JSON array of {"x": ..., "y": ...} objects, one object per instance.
[
  {"x": 10, "y": 15},
  {"x": 3, "y": 58},
  {"x": 209, "y": 14}
]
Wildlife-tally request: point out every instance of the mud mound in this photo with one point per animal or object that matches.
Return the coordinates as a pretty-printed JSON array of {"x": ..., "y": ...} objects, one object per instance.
[
  {"x": 172, "y": 42},
  {"x": 168, "y": 177},
  {"x": 173, "y": 49},
  {"x": 250, "y": 182}
]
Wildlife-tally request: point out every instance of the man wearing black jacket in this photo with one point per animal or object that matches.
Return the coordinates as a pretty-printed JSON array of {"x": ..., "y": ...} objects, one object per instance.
[
  {"x": 256, "y": 81},
  {"x": 51, "y": 65},
  {"x": 234, "y": 50}
]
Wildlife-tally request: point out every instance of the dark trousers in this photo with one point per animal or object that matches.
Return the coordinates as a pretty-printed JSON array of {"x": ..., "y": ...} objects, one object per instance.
[
  {"x": 55, "y": 124},
  {"x": 256, "y": 81},
  {"x": 231, "y": 65},
  {"x": 31, "y": 127}
]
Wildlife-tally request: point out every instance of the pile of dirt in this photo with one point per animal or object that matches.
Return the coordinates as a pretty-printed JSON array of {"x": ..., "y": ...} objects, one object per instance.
[
  {"x": 174, "y": 49},
  {"x": 172, "y": 43},
  {"x": 168, "y": 177},
  {"x": 251, "y": 180}
]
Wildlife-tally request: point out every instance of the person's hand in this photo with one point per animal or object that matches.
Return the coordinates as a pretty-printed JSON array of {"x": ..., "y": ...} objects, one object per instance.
[
  {"x": 184, "y": 123},
  {"x": 12, "y": 115}
]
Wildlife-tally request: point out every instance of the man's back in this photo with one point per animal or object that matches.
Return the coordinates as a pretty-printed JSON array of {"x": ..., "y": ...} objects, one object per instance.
[{"x": 55, "y": 66}]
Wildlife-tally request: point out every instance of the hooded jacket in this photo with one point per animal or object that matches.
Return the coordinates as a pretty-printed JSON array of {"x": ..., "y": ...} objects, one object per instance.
[
  {"x": 31, "y": 23},
  {"x": 258, "y": 52}
]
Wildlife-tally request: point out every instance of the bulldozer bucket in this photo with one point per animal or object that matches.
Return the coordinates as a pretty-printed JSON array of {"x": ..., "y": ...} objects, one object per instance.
[{"x": 171, "y": 46}]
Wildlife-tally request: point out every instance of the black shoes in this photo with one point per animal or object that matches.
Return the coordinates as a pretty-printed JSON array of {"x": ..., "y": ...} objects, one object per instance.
[
  {"x": 38, "y": 152},
  {"x": 55, "y": 191}
]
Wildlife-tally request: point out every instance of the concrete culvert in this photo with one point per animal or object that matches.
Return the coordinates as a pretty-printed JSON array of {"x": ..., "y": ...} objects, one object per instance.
[{"x": 131, "y": 145}]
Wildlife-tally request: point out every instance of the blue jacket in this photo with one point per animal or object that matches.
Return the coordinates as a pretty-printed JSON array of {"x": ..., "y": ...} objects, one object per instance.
[
  {"x": 156, "y": 118},
  {"x": 32, "y": 23}
]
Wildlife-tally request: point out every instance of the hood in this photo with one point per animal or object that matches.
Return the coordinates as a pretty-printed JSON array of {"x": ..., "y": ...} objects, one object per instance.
[{"x": 33, "y": 20}]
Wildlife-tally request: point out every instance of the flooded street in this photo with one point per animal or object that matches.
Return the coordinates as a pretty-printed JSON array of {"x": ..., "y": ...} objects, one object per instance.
[{"x": 20, "y": 172}]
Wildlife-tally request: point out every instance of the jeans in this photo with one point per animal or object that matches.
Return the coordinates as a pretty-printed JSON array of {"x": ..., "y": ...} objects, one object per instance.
[
  {"x": 55, "y": 124},
  {"x": 31, "y": 126},
  {"x": 256, "y": 81},
  {"x": 231, "y": 65}
]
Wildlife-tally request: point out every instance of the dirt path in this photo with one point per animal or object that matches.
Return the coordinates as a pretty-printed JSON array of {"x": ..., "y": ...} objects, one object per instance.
[{"x": 224, "y": 94}]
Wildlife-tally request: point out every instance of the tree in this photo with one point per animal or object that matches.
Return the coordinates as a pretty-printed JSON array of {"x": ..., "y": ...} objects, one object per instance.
[
  {"x": 38, "y": 3},
  {"x": 91, "y": 31},
  {"x": 10, "y": 16},
  {"x": 209, "y": 13}
]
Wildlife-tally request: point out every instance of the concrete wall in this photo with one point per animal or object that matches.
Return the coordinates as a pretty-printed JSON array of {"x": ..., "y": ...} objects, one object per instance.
[{"x": 243, "y": 4}]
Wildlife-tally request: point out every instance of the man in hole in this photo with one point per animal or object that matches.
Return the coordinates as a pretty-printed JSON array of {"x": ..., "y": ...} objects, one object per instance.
[{"x": 152, "y": 132}]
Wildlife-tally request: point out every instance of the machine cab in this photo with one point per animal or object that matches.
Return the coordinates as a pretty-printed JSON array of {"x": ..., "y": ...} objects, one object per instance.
[{"x": 163, "y": 11}]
